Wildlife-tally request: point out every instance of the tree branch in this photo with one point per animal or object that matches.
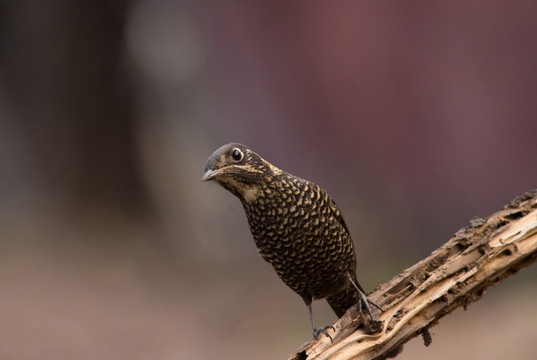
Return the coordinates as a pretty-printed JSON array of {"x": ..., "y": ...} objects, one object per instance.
[{"x": 457, "y": 274}]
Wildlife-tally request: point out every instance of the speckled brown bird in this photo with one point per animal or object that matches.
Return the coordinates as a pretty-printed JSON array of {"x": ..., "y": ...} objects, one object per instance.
[{"x": 296, "y": 226}]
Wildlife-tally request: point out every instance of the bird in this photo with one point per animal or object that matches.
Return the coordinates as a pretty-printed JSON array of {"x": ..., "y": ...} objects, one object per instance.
[{"x": 296, "y": 227}]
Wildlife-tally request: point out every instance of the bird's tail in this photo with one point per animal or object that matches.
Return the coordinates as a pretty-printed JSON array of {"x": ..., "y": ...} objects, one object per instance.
[{"x": 341, "y": 301}]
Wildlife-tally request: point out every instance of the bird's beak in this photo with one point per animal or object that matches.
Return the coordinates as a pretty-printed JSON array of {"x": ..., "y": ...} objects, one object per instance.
[{"x": 211, "y": 174}]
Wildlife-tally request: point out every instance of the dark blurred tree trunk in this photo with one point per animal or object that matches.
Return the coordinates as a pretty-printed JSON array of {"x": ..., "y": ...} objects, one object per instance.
[{"x": 71, "y": 103}]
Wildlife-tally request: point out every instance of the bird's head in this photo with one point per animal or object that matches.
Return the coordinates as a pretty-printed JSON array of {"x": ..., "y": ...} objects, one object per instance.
[{"x": 238, "y": 169}]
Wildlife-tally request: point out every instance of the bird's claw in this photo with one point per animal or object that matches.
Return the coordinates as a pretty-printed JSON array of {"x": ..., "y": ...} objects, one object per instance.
[
  {"x": 365, "y": 301},
  {"x": 375, "y": 304},
  {"x": 316, "y": 332}
]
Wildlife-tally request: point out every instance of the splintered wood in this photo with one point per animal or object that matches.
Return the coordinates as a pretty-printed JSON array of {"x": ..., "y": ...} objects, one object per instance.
[{"x": 455, "y": 275}]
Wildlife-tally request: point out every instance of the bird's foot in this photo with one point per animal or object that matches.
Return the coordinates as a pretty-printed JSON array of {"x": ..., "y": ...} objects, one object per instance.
[
  {"x": 316, "y": 332},
  {"x": 374, "y": 304},
  {"x": 363, "y": 301}
]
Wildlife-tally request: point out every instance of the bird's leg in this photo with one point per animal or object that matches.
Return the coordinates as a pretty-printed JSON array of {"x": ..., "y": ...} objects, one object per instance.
[
  {"x": 363, "y": 299},
  {"x": 316, "y": 331}
]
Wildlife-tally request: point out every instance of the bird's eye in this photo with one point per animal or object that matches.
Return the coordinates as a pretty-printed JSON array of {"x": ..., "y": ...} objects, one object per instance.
[{"x": 237, "y": 155}]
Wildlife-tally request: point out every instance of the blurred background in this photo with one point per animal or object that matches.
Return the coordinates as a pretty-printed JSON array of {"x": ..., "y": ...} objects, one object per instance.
[{"x": 415, "y": 116}]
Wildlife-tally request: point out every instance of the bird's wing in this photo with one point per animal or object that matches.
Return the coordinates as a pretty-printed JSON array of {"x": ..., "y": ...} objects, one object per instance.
[{"x": 338, "y": 215}]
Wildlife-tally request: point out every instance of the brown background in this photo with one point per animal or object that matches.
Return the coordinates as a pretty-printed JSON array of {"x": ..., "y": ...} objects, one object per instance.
[{"x": 415, "y": 116}]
